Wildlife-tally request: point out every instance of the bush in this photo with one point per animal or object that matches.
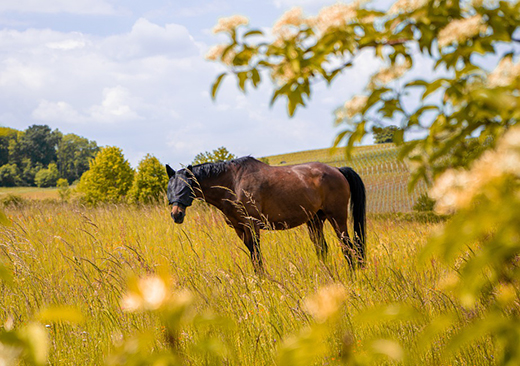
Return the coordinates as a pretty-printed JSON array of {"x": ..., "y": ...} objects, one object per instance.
[
  {"x": 63, "y": 188},
  {"x": 13, "y": 200},
  {"x": 220, "y": 154},
  {"x": 109, "y": 178},
  {"x": 424, "y": 203},
  {"x": 9, "y": 175},
  {"x": 150, "y": 181},
  {"x": 47, "y": 177}
]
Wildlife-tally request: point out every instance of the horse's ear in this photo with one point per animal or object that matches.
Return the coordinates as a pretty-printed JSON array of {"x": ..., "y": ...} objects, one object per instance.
[{"x": 170, "y": 171}]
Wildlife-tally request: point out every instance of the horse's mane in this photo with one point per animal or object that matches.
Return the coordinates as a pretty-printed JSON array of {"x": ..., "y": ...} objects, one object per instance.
[{"x": 209, "y": 170}]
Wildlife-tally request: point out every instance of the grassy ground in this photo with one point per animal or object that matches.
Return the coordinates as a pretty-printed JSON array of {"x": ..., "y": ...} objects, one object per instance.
[
  {"x": 67, "y": 254},
  {"x": 33, "y": 193}
]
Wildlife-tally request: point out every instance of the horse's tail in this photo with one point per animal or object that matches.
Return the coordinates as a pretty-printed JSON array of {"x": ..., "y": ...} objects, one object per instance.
[{"x": 358, "y": 204}]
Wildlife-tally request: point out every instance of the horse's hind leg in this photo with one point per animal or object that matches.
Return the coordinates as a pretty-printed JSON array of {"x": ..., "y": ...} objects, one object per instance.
[
  {"x": 347, "y": 246},
  {"x": 315, "y": 226}
]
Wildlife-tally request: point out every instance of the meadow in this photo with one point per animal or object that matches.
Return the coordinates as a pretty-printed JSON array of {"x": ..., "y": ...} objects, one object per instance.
[
  {"x": 66, "y": 254},
  {"x": 76, "y": 264}
]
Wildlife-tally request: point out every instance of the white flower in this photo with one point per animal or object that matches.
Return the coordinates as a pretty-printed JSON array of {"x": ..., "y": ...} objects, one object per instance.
[
  {"x": 355, "y": 105},
  {"x": 230, "y": 23},
  {"x": 326, "y": 302},
  {"x": 388, "y": 74},
  {"x": 455, "y": 189},
  {"x": 460, "y": 30},
  {"x": 504, "y": 74},
  {"x": 150, "y": 294},
  {"x": 405, "y": 6},
  {"x": 215, "y": 53},
  {"x": 292, "y": 17},
  {"x": 335, "y": 16}
]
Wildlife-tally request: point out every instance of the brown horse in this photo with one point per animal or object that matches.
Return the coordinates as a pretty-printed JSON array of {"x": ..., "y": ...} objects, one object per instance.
[{"x": 253, "y": 196}]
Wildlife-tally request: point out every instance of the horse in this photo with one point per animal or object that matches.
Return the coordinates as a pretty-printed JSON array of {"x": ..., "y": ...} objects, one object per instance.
[{"x": 253, "y": 195}]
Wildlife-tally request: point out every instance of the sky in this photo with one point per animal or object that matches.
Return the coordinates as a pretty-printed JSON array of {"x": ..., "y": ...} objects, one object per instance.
[{"x": 132, "y": 74}]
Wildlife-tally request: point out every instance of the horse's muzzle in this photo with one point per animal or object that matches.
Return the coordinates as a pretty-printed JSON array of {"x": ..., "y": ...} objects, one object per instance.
[
  {"x": 178, "y": 217},
  {"x": 178, "y": 214}
]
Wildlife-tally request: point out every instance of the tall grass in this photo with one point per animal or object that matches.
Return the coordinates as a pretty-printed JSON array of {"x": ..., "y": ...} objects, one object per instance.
[{"x": 73, "y": 255}]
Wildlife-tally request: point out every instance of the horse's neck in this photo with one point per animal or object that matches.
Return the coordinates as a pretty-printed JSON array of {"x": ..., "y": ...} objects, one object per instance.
[{"x": 214, "y": 189}]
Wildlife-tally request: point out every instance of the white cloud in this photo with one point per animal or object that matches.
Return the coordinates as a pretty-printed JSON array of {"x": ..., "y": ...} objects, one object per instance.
[
  {"x": 147, "y": 39},
  {"x": 303, "y": 3},
  {"x": 146, "y": 90},
  {"x": 58, "y": 6},
  {"x": 115, "y": 106},
  {"x": 56, "y": 111}
]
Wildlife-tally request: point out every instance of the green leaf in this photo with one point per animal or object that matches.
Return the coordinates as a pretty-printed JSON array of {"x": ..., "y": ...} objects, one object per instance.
[
  {"x": 242, "y": 78},
  {"x": 255, "y": 77},
  {"x": 432, "y": 87},
  {"x": 216, "y": 85},
  {"x": 254, "y": 32}
]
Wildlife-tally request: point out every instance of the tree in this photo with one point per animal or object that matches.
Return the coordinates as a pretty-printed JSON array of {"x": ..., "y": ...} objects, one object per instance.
[
  {"x": 461, "y": 105},
  {"x": 6, "y": 135},
  {"x": 385, "y": 135},
  {"x": 73, "y": 156},
  {"x": 47, "y": 177},
  {"x": 28, "y": 171},
  {"x": 150, "y": 181},
  {"x": 220, "y": 154},
  {"x": 39, "y": 143},
  {"x": 109, "y": 178},
  {"x": 9, "y": 175}
]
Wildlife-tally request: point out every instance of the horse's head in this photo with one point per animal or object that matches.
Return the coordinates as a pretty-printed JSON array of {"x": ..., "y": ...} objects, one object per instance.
[{"x": 180, "y": 192}]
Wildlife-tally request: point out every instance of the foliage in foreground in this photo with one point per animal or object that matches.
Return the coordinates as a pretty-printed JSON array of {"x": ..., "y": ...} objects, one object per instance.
[{"x": 460, "y": 98}]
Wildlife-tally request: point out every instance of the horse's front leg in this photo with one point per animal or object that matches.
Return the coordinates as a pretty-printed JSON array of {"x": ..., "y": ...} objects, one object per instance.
[{"x": 250, "y": 235}]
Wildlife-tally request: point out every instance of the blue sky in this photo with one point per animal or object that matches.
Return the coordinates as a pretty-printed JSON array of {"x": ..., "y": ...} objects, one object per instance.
[{"x": 132, "y": 74}]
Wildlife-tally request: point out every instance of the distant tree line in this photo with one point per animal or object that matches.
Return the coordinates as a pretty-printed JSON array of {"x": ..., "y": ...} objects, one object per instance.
[{"x": 40, "y": 156}]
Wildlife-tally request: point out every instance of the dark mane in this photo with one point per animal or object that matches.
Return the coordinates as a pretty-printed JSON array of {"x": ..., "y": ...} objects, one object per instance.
[{"x": 208, "y": 170}]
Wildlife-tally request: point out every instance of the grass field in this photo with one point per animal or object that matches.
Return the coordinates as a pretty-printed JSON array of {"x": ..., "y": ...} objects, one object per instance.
[
  {"x": 63, "y": 254},
  {"x": 68, "y": 254},
  {"x": 33, "y": 193}
]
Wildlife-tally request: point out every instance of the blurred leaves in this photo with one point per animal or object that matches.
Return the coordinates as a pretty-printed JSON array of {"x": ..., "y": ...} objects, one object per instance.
[{"x": 457, "y": 103}]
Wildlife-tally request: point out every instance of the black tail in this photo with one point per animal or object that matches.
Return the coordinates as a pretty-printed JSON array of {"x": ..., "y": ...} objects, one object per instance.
[{"x": 358, "y": 204}]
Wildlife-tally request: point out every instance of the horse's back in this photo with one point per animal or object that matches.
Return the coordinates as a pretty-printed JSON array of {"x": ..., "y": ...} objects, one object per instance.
[{"x": 290, "y": 195}]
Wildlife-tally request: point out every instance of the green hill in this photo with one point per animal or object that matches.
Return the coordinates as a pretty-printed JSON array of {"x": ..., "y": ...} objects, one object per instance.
[{"x": 386, "y": 177}]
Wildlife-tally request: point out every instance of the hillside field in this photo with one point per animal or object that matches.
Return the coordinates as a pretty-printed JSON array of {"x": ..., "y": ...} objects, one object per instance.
[{"x": 386, "y": 177}]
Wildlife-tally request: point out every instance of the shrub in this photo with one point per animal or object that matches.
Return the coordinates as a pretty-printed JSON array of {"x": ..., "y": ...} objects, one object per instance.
[
  {"x": 220, "y": 154},
  {"x": 424, "y": 203},
  {"x": 150, "y": 181},
  {"x": 47, "y": 177},
  {"x": 9, "y": 175},
  {"x": 109, "y": 178},
  {"x": 63, "y": 188}
]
